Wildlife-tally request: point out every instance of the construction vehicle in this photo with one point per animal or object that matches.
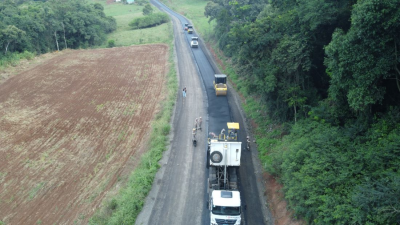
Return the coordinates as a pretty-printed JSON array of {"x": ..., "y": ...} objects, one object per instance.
[
  {"x": 220, "y": 84},
  {"x": 224, "y": 197},
  {"x": 232, "y": 131}
]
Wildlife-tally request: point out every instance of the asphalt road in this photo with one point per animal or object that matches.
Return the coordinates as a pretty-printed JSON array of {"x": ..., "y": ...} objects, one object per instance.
[{"x": 179, "y": 193}]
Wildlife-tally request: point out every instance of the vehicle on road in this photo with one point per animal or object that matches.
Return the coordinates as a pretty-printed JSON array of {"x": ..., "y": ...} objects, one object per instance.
[
  {"x": 194, "y": 44},
  {"x": 220, "y": 84},
  {"x": 190, "y": 30},
  {"x": 195, "y": 38},
  {"x": 223, "y": 159}
]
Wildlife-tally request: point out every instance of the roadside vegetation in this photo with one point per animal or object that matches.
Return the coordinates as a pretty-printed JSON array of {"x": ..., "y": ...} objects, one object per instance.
[
  {"x": 320, "y": 80},
  {"x": 43, "y": 26},
  {"x": 151, "y": 20}
]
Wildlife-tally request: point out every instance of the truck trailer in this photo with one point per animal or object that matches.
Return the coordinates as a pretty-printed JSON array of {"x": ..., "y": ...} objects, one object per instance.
[{"x": 224, "y": 196}]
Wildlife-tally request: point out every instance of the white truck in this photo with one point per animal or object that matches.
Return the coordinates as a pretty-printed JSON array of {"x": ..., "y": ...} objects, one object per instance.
[{"x": 224, "y": 197}]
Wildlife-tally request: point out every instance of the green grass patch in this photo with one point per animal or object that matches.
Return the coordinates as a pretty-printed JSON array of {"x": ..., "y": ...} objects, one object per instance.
[
  {"x": 13, "y": 59},
  {"x": 127, "y": 204},
  {"x": 35, "y": 190},
  {"x": 125, "y": 35}
]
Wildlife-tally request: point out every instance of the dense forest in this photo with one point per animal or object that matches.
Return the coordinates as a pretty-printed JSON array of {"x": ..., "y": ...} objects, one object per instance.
[
  {"x": 328, "y": 71},
  {"x": 44, "y": 26}
]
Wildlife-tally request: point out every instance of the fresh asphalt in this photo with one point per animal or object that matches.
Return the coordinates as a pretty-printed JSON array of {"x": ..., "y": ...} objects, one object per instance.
[{"x": 179, "y": 194}]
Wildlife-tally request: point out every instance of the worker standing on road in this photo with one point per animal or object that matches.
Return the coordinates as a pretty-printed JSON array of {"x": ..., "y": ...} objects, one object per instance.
[
  {"x": 199, "y": 123},
  {"x": 196, "y": 123},
  {"x": 184, "y": 92}
]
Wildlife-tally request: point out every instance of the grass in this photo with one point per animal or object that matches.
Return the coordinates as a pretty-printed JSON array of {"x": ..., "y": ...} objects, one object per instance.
[
  {"x": 193, "y": 10},
  {"x": 35, "y": 190},
  {"x": 13, "y": 59},
  {"x": 124, "y": 35}
]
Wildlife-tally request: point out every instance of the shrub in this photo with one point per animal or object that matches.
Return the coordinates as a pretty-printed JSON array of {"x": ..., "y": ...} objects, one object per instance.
[
  {"x": 111, "y": 43},
  {"x": 149, "y": 21}
]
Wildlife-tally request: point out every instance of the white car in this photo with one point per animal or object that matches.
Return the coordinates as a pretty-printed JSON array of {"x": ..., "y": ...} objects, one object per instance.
[{"x": 194, "y": 44}]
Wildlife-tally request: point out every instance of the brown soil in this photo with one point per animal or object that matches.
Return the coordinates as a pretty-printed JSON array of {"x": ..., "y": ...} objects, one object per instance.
[
  {"x": 277, "y": 203},
  {"x": 70, "y": 126}
]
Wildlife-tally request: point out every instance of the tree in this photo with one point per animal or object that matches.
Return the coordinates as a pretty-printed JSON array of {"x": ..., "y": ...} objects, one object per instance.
[
  {"x": 362, "y": 59},
  {"x": 147, "y": 10},
  {"x": 11, "y": 33}
]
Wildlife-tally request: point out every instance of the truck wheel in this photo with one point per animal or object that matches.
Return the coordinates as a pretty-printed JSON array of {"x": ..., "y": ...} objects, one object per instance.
[{"x": 216, "y": 157}]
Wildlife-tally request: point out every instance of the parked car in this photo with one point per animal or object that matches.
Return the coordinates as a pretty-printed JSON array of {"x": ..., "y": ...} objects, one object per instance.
[{"x": 194, "y": 44}]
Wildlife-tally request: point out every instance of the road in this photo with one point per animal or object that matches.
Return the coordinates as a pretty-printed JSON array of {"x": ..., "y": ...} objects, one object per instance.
[{"x": 179, "y": 193}]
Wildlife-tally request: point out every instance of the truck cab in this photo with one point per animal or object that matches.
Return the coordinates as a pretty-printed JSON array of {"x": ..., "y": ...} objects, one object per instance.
[{"x": 225, "y": 208}]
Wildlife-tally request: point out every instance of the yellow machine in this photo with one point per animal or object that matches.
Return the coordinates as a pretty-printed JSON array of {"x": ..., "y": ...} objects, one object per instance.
[
  {"x": 220, "y": 84},
  {"x": 232, "y": 134},
  {"x": 232, "y": 131}
]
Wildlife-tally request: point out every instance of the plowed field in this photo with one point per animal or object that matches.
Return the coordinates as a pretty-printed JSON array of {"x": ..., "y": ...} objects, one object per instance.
[{"x": 70, "y": 125}]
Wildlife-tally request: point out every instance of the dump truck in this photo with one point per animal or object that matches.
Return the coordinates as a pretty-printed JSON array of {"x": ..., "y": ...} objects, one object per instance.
[
  {"x": 223, "y": 159},
  {"x": 220, "y": 84}
]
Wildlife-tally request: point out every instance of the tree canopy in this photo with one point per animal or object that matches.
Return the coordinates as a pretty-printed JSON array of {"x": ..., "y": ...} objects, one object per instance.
[
  {"x": 332, "y": 66},
  {"x": 51, "y": 25}
]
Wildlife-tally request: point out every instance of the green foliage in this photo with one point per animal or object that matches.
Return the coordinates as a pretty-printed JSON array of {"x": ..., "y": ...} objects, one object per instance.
[
  {"x": 363, "y": 60},
  {"x": 151, "y": 20},
  {"x": 43, "y": 26},
  {"x": 141, "y": 2},
  {"x": 147, "y": 10},
  {"x": 334, "y": 175},
  {"x": 12, "y": 59},
  {"x": 111, "y": 43}
]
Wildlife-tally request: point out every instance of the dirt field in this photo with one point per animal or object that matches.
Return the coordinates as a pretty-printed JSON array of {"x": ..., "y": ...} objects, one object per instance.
[{"x": 69, "y": 127}]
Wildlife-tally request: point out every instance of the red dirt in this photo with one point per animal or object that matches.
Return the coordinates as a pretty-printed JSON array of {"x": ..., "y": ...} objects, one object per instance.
[
  {"x": 70, "y": 126},
  {"x": 277, "y": 203}
]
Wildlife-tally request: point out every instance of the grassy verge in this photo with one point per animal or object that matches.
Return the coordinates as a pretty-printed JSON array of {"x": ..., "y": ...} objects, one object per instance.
[
  {"x": 193, "y": 10},
  {"x": 126, "y": 206}
]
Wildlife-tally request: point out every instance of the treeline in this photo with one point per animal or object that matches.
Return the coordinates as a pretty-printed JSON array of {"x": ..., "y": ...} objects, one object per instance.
[
  {"x": 329, "y": 72},
  {"x": 43, "y": 26}
]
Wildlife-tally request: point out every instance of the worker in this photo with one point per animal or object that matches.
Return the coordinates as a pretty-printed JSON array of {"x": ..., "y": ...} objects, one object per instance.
[
  {"x": 196, "y": 123},
  {"x": 199, "y": 123},
  {"x": 194, "y": 133}
]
